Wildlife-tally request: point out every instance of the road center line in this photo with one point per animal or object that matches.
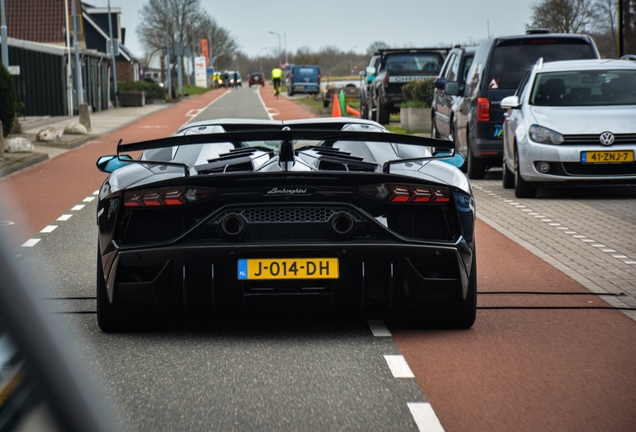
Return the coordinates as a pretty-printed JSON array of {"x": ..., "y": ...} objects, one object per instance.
[
  {"x": 30, "y": 243},
  {"x": 424, "y": 416},
  {"x": 399, "y": 367}
]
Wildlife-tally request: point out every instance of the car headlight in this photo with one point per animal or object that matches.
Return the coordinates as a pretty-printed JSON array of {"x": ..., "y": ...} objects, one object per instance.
[{"x": 544, "y": 135}]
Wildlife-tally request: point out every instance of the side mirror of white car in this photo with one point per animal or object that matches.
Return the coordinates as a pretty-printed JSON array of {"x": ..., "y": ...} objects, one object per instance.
[{"x": 510, "y": 102}]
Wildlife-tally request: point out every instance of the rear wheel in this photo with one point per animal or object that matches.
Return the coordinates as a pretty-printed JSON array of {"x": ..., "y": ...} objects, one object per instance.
[
  {"x": 434, "y": 132},
  {"x": 364, "y": 110},
  {"x": 475, "y": 167},
  {"x": 383, "y": 116},
  {"x": 523, "y": 189},
  {"x": 507, "y": 176},
  {"x": 454, "y": 313}
]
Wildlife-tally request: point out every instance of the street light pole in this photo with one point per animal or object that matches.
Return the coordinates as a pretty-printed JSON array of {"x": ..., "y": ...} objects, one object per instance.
[
  {"x": 3, "y": 33},
  {"x": 280, "y": 60},
  {"x": 112, "y": 55},
  {"x": 168, "y": 57},
  {"x": 78, "y": 67}
]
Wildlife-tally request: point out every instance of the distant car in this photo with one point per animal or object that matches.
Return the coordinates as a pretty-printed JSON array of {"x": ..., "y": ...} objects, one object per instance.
[
  {"x": 235, "y": 79},
  {"x": 571, "y": 122},
  {"x": 395, "y": 69},
  {"x": 454, "y": 69},
  {"x": 256, "y": 78},
  {"x": 313, "y": 213},
  {"x": 495, "y": 73},
  {"x": 304, "y": 79}
]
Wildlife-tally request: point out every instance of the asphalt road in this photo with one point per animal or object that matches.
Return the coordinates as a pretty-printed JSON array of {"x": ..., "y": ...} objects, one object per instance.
[{"x": 531, "y": 362}]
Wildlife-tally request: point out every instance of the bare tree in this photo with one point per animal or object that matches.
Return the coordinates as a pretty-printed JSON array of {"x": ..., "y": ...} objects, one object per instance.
[
  {"x": 183, "y": 23},
  {"x": 563, "y": 16},
  {"x": 376, "y": 46}
]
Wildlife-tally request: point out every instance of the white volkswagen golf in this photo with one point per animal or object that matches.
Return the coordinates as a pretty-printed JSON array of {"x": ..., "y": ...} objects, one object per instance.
[{"x": 571, "y": 122}]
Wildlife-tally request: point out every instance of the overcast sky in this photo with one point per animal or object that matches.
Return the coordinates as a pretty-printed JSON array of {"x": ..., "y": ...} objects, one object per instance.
[{"x": 349, "y": 25}]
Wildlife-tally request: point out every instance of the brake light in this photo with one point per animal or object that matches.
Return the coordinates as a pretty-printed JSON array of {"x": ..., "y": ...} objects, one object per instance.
[
  {"x": 166, "y": 197},
  {"x": 395, "y": 193},
  {"x": 385, "y": 82},
  {"x": 483, "y": 110}
]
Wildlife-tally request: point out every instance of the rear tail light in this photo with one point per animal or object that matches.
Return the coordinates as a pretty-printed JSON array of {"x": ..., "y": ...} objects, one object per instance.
[
  {"x": 166, "y": 197},
  {"x": 385, "y": 82},
  {"x": 396, "y": 193},
  {"x": 483, "y": 110}
]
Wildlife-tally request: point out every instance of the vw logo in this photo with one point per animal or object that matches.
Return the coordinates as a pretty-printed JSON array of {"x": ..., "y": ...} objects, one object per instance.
[{"x": 606, "y": 138}]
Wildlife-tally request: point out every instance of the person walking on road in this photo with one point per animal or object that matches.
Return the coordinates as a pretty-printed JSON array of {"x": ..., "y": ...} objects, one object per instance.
[{"x": 277, "y": 75}]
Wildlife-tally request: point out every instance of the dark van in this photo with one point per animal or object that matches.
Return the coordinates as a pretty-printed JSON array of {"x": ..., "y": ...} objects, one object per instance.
[
  {"x": 304, "y": 79},
  {"x": 497, "y": 69}
]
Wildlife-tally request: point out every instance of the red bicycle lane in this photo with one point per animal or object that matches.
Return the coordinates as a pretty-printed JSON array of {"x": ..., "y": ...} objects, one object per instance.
[{"x": 40, "y": 194}]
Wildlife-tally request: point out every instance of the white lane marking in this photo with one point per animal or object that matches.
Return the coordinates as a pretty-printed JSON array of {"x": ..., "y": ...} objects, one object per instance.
[
  {"x": 258, "y": 93},
  {"x": 629, "y": 262},
  {"x": 30, "y": 243},
  {"x": 378, "y": 328},
  {"x": 48, "y": 229},
  {"x": 193, "y": 112},
  {"x": 203, "y": 109},
  {"x": 399, "y": 367},
  {"x": 88, "y": 199},
  {"x": 424, "y": 416},
  {"x": 65, "y": 217},
  {"x": 6, "y": 223},
  {"x": 619, "y": 256},
  {"x": 96, "y": 192},
  {"x": 77, "y": 207}
]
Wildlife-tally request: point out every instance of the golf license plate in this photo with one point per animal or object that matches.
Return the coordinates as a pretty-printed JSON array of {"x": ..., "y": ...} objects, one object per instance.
[
  {"x": 288, "y": 268},
  {"x": 619, "y": 156}
]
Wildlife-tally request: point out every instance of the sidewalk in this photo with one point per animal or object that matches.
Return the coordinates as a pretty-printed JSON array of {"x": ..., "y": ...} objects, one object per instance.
[{"x": 102, "y": 122}]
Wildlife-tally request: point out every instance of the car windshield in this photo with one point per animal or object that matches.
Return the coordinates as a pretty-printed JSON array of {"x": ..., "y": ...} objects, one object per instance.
[
  {"x": 584, "y": 88},
  {"x": 508, "y": 73},
  {"x": 413, "y": 62}
]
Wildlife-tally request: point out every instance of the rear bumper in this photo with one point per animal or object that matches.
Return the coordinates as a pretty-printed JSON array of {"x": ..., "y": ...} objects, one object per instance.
[{"x": 371, "y": 275}]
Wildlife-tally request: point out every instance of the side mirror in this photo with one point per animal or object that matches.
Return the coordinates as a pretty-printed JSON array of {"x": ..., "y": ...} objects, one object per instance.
[
  {"x": 452, "y": 88},
  {"x": 362, "y": 73},
  {"x": 456, "y": 160},
  {"x": 440, "y": 83},
  {"x": 108, "y": 164},
  {"x": 510, "y": 102}
]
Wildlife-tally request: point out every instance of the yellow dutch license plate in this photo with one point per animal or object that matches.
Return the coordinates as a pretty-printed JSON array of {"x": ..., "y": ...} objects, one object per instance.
[
  {"x": 619, "y": 156},
  {"x": 288, "y": 268},
  {"x": 300, "y": 87}
]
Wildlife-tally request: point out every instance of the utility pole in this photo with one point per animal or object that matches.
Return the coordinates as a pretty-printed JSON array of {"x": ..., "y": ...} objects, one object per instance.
[
  {"x": 3, "y": 33},
  {"x": 78, "y": 67},
  {"x": 112, "y": 54},
  {"x": 168, "y": 56}
]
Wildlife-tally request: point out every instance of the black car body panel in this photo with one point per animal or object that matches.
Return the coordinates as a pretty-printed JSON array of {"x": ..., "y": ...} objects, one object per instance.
[{"x": 399, "y": 222}]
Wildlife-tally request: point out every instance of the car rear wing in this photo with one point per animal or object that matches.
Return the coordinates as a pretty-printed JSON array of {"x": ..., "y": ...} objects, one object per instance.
[{"x": 285, "y": 135}]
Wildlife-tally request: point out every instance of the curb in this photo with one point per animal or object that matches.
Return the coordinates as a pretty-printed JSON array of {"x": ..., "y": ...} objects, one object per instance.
[{"x": 19, "y": 164}]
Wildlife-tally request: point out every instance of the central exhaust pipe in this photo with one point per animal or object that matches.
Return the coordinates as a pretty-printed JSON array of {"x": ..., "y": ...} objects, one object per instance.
[
  {"x": 342, "y": 223},
  {"x": 232, "y": 225}
]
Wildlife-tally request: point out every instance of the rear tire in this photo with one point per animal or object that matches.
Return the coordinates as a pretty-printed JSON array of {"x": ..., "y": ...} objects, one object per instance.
[
  {"x": 383, "y": 116},
  {"x": 507, "y": 176},
  {"x": 475, "y": 168},
  {"x": 434, "y": 132},
  {"x": 454, "y": 313},
  {"x": 523, "y": 189}
]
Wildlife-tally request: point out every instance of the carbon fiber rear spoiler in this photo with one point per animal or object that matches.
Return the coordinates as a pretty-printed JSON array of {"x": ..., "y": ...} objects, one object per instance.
[{"x": 285, "y": 135}]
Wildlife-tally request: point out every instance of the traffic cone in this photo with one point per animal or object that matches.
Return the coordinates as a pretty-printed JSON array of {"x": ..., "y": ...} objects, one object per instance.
[
  {"x": 352, "y": 112},
  {"x": 336, "y": 111},
  {"x": 343, "y": 103}
]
